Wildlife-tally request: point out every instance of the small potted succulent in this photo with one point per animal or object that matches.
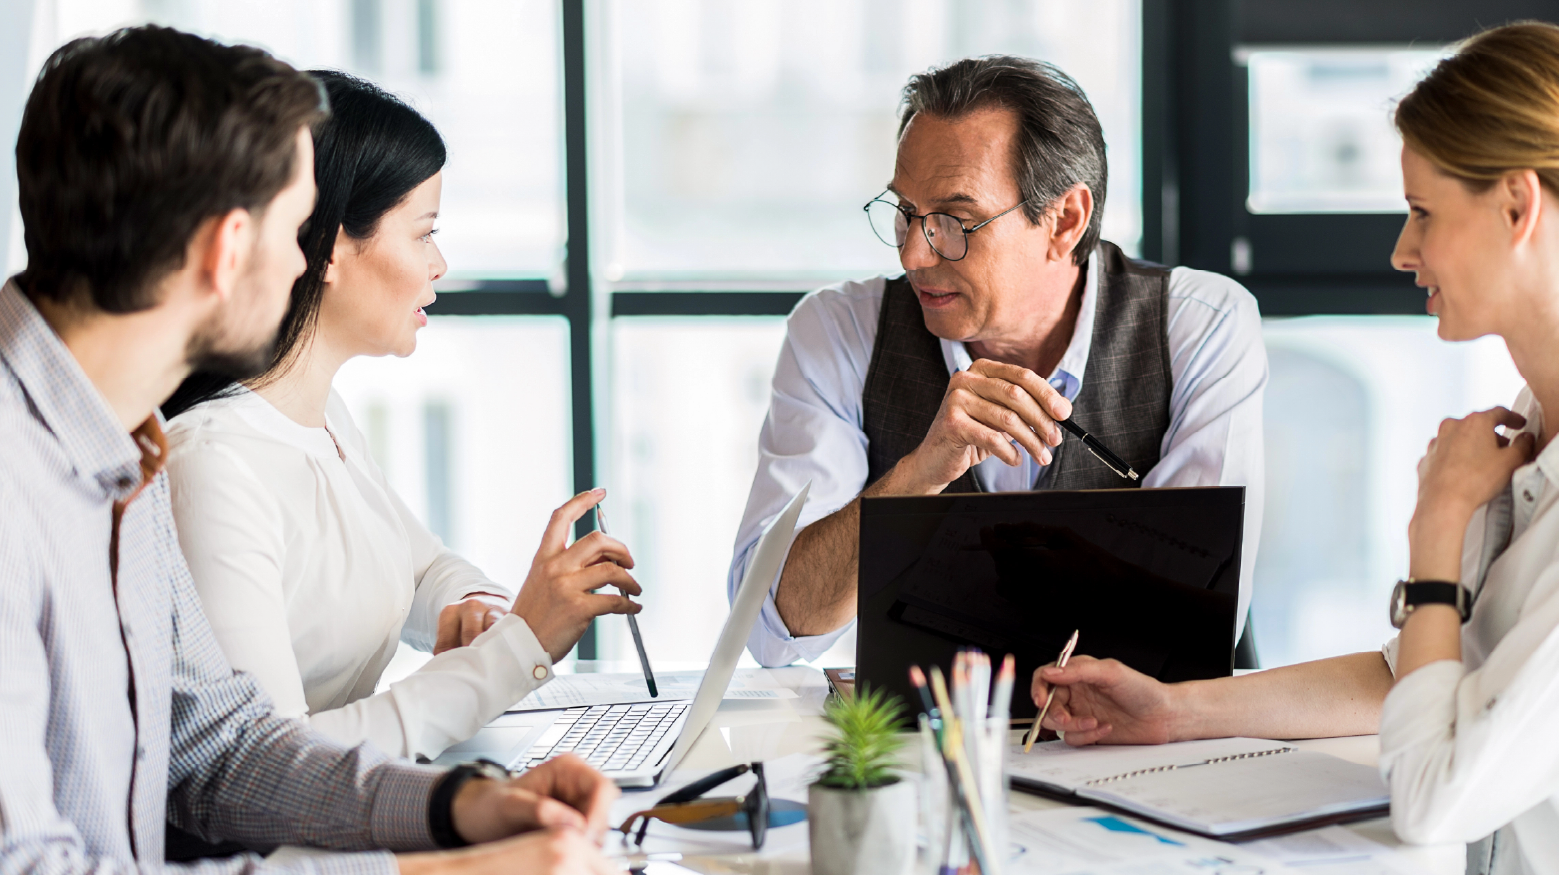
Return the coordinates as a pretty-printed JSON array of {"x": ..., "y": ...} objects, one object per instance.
[{"x": 861, "y": 814}]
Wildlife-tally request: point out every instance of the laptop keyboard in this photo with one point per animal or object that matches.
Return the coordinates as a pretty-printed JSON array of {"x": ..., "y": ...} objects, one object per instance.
[{"x": 609, "y": 737}]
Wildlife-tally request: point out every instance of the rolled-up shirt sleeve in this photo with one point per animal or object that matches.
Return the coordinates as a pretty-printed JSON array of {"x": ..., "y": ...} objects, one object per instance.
[
  {"x": 1467, "y": 752},
  {"x": 813, "y": 431}
]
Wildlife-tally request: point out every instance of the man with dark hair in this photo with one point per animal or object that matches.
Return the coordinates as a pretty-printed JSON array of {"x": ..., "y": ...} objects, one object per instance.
[
  {"x": 1012, "y": 314},
  {"x": 163, "y": 180}
]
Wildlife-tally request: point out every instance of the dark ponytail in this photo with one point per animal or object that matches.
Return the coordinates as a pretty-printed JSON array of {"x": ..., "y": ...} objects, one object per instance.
[{"x": 369, "y": 155}]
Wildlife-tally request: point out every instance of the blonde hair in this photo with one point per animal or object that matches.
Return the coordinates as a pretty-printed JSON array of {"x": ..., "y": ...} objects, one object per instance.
[{"x": 1491, "y": 108}]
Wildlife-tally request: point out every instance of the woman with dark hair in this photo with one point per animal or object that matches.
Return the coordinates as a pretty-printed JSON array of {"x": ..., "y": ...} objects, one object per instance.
[{"x": 308, "y": 565}]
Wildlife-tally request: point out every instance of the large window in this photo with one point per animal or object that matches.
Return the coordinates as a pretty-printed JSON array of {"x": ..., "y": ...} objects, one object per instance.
[
  {"x": 484, "y": 71},
  {"x": 739, "y": 140},
  {"x": 711, "y": 157},
  {"x": 1321, "y": 139},
  {"x": 1351, "y": 404}
]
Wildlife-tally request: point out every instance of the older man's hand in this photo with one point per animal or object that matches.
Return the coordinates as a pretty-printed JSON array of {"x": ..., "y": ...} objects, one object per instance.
[{"x": 986, "y": 409}]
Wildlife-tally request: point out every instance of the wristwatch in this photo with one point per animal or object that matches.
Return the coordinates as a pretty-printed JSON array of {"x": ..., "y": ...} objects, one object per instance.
[
  {"x": 1410, "y": 593},
  {"x": 441, "y": 822}
]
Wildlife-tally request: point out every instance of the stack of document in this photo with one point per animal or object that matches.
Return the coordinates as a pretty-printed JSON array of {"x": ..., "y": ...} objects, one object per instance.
[{"x": 1227, "y": 788}]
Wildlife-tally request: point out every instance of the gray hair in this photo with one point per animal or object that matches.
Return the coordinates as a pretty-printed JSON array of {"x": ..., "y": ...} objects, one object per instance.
[{"x": 1060, "y": 142}]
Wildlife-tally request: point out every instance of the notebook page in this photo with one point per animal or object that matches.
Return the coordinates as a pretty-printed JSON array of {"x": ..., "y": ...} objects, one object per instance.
[
  {"x": 1246, "y": 794},
  {"x": 1058, "y": 765}
]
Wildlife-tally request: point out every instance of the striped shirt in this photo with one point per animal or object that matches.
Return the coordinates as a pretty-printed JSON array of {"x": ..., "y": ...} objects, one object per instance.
[{"x": 118, "y": 712}]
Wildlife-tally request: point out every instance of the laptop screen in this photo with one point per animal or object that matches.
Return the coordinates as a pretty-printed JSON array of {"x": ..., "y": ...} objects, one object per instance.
[{"x": 1147, "y": 576}]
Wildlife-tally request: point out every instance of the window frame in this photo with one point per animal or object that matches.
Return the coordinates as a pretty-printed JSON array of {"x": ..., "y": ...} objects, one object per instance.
[{"x": 1194, "y": 171}]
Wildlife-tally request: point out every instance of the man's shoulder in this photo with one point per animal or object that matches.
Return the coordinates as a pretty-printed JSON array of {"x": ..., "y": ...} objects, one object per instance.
[
  {"x": 1211, "y": 290},
  {"x": 849, "y": 300},
  {"x": 837, "y": 318}
]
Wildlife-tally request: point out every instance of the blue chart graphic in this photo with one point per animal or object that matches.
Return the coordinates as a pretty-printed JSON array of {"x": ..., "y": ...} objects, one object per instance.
[{"x": 1115, "y": 824}]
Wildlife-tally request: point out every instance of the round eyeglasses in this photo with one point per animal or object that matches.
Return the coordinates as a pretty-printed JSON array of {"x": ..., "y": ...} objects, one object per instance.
[{"x": 946, "y": 234}]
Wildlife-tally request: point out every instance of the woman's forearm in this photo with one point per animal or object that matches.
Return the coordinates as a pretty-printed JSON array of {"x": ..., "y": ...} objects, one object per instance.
[{"x": 1321, "y": 699}]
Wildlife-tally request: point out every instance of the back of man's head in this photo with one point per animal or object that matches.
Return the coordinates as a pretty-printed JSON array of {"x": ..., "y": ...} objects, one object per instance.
[
  {"x": 129, "y": 142},
  {"x": 1060, "y": 141}
]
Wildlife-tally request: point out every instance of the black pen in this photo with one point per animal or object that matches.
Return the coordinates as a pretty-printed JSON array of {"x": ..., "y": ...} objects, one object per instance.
[
  {"x": 633, "y": 622},
  {"x": 1100, "y": 451}
]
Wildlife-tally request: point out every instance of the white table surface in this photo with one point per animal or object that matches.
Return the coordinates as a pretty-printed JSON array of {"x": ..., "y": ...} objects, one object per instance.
[{"x": 768, "y": 730}]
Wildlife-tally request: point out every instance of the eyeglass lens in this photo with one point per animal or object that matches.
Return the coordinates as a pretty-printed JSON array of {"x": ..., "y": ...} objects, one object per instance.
[{"x": 943, "y": 232}]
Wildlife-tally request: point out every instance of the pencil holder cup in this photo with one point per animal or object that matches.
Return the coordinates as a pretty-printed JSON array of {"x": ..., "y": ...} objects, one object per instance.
[
  {"x": 991, "y": 776},
  {"x": 938, "y": 815}
]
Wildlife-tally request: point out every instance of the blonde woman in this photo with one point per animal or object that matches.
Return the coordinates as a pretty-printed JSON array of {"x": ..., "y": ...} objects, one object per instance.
[{"x": 1466, "y": 698}]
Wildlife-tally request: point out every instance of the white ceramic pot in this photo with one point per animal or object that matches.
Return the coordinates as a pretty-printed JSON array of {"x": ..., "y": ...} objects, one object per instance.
[{"x": 863, "y": 832}]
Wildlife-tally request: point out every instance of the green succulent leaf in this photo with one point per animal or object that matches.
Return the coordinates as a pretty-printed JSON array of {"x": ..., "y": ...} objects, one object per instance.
[{"x": 861, "y": 751}]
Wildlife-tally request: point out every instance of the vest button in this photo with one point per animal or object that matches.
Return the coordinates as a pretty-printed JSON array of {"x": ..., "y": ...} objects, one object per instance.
[{"x": 1526, "y": 494}]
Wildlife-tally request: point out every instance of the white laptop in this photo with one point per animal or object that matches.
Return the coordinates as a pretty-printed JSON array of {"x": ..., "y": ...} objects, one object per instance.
[{"x": 637, "y": 743}]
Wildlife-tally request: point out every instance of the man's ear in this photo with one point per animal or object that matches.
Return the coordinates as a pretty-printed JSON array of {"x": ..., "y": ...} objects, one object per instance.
[
  {"x": 225, "y": 248},
  {"x": 1070, "y": 215}
]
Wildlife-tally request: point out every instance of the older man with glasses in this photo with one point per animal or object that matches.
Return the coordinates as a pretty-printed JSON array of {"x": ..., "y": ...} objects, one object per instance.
[{"x": 1012, "y": 315}]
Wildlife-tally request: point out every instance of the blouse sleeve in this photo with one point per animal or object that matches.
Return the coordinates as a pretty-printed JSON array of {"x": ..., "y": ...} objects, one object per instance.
[
  {"x": 449, "y": 698},
  {"x": 1466, "y": 752},
  {"x": 230, "y": 529}
]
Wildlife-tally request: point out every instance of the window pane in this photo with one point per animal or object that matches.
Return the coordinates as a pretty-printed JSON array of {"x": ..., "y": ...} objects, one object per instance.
[
  {"x": 688, "y": 398},
  {"x": 1351, "y": 404},
  {"x": 486, "y": 72},
  {"x": 1321, "y": 139},
  {"x": 743, "y": 138},
  {"x": 472, "y": 431}
]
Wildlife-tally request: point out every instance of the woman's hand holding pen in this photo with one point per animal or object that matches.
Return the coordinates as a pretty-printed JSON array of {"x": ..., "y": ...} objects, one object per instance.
[
  {"x": 1106, "y": 701},
  {"x": 987, "y": 407},
  {"x": 559, "y": 598}
]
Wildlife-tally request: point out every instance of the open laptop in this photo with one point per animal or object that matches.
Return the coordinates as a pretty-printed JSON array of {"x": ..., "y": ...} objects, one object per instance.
[
  {"x": 638, "y": 742},
  {"x": 1146, "y": 576}
]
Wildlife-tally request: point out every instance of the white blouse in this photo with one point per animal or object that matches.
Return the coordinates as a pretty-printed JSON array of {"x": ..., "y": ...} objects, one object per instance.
[
  {"x": 1472, "y": 747},
  {"x": 311, "y": 569}
]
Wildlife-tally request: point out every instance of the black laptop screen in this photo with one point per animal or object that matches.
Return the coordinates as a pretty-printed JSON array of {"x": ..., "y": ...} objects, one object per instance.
[{"x": 1148, "y": 576}]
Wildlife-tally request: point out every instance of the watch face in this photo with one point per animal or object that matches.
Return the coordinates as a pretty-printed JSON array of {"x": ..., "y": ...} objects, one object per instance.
[{"x": 1399, "y": 605}]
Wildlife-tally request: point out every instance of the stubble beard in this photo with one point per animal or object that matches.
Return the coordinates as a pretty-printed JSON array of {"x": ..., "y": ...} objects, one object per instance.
[{"x": 218, "y": 348}]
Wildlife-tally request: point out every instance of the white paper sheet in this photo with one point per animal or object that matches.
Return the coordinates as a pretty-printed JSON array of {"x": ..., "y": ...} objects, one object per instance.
[
  {"x": 1075, "y": 841},
  {"x": 1091, "y": 841}
]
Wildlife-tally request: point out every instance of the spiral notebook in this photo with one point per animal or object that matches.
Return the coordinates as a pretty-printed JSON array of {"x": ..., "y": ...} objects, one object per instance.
[{"x": 1227, "y": 788}]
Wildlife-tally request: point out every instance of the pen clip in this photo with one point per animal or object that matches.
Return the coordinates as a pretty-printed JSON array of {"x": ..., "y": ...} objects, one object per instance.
[{"x": 1107, "y": 463}]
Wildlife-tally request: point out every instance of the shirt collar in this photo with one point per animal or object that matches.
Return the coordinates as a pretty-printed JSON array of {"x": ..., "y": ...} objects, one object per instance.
[
  {"x": 1547, "y": 461},
  {"x": 72, "y": 409},
  {"x": 1068, "y": 375}
]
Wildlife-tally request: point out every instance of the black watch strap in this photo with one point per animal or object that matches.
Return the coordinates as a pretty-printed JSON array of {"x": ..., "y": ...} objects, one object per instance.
[
  {"x": 1436, "y": 592},
  {"x": 441, "y": 801}
]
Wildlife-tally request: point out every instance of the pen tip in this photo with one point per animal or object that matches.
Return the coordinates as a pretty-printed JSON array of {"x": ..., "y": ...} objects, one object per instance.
[{"x": 1132, "y": 474}]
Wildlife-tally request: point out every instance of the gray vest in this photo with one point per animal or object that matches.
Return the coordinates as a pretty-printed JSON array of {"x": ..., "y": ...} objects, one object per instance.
[{"x": 1124, "y": 401}]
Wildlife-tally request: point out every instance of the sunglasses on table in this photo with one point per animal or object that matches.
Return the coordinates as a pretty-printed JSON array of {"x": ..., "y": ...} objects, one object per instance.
[{"x": 684, "y": 806}]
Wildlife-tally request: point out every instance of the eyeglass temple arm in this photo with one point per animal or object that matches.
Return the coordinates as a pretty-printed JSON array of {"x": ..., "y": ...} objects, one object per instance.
[
  {"x": 685, "y": 812},
  {"x": 703, "y": 785}
]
